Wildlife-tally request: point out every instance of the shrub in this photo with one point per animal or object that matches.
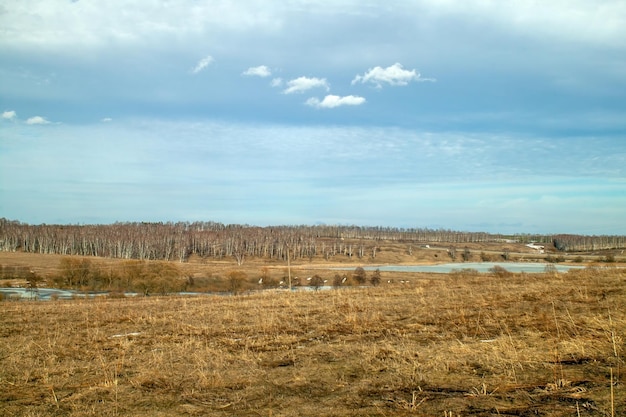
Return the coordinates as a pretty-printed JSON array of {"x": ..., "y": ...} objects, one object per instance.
[
  {"x": 499, "y": 271},
  {"x": 375, "y": 278},
  {"x": 550, "y": 269},
  {"x": 464, "y": 272},
  {"x": 338, "y": 280},
  {"x": 236, "y": 280},
  {"x": 316, "y": 282},
  {"x": 75, "y": 273},
  {"x": 360, "y": 276}
]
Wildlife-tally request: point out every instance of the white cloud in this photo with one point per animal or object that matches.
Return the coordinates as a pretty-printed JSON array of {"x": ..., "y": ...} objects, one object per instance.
[
  {"x": 301, "y": 84},
  {"x": 260, "y": 71},
  {"x": 393, "y": 75},
  {"x": 202, "y": 64},
  {"x": 9, "y": 115},
  {"x": 106, "y": 120},
  {"x": 37, "y": 120},
  {"x": 277, "y": 82},
  {"x": 599, "y": 23},
  {"x": 331, "y": 101},
  {"x": 59, "y": 24}
]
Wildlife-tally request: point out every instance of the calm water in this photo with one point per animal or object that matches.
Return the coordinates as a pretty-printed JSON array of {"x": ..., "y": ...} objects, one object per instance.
[
  {"x": 478, "y": 266},
  {"x": 49, "y": 294}
]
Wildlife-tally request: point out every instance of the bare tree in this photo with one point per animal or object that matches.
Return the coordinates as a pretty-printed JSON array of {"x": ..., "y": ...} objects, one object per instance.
[
  {"x": 33, "y": 281},
  {"x": 168, "y": 241}
]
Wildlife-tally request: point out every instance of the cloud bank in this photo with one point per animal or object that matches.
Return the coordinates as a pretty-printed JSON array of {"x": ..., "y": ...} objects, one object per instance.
[{"x": 399, "y": 177}]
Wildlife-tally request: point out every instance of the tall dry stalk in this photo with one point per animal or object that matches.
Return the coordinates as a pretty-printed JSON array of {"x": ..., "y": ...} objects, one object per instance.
[
  {"x": 612, "y": 396},
  {"x": 557, "y": 357}
]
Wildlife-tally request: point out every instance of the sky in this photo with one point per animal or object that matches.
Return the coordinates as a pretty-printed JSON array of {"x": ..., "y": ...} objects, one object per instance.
[{"x": 471, "y": 115}]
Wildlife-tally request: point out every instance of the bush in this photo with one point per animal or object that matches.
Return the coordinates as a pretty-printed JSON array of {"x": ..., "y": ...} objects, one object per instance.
[
  {"x": 359, "y": 275},
  {"x": 551, "y": 259},
  {"x": 316, "y": 282},
  {"x": 550, "y": 269},
  {"x": 236, "y": 280},
  {"x": 466, "y": 272},
  {"x": 376, "y": 278},
  {"x": 74, "y": 272},
  {"x": 499, "y": 271},
  {"x": 338, "y": 280}
]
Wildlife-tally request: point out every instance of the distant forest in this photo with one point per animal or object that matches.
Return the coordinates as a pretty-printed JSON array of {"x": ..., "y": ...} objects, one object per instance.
[{"x": 178, "y": 241}]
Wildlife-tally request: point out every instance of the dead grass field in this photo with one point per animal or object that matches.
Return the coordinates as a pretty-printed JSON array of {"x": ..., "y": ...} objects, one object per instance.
[{"x": 446, "y": 345}]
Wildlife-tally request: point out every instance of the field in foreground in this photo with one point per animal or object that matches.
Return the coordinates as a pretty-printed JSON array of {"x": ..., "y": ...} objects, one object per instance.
[{"x": 457, "y": 345}]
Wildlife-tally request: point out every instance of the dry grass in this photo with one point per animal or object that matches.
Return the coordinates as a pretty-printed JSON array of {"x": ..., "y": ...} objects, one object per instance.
[{"x": 453, "y": 345}]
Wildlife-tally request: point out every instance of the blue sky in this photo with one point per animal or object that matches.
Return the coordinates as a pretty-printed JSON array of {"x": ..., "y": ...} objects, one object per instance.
[{"x": 506, "y": 117}]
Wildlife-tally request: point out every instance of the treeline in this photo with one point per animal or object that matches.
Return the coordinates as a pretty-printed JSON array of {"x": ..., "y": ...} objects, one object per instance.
[
  {"x": 573, "y": 243},
  {"x": 178, "y": 241}
]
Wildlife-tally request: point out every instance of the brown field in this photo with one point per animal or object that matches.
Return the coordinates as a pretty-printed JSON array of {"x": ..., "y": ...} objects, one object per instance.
[{"x": 441, "y": 345}]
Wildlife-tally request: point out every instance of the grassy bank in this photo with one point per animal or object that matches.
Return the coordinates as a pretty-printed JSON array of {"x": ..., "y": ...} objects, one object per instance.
[{"x": 453, "y": 345}]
